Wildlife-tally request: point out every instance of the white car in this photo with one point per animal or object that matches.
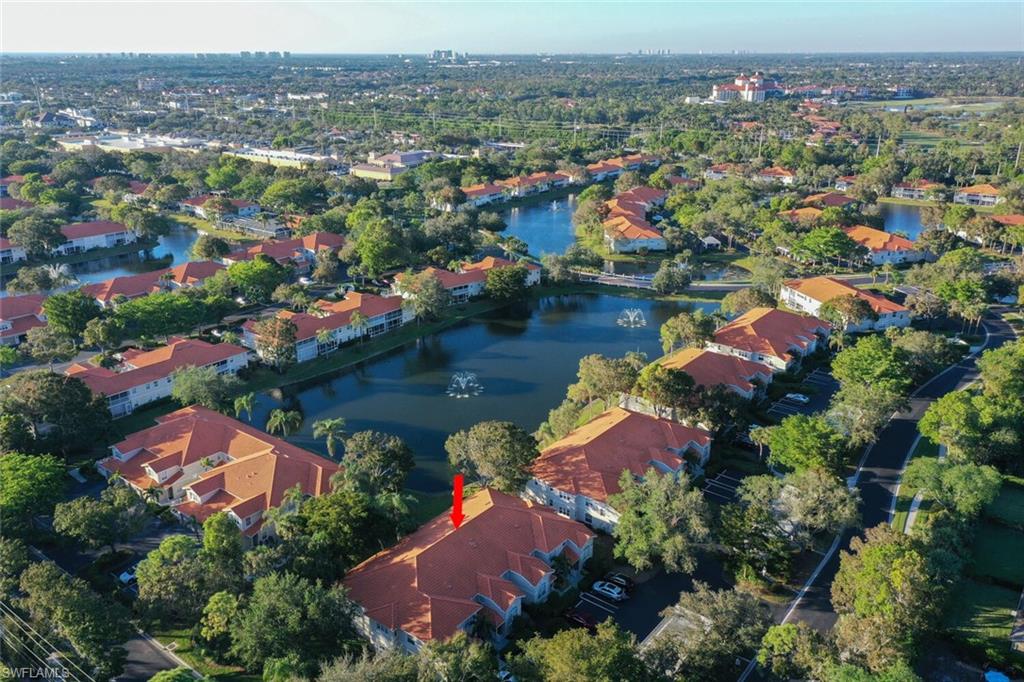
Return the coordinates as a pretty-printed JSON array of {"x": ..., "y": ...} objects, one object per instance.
[
  {"x": 608, "y": 590},
  {"x": 798, "y": 398}
]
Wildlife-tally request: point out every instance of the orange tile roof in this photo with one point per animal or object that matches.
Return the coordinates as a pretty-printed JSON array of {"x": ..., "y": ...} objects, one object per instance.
[
  {"x": 482, "y": 189},
  {"x": 91, "y": 229},
  {"x": 260, "y": 470},
  {"x": 449, "y": 279},
  {"x": 629, "y": 228},
  {"x": 336, "y": 314},
  {"x": 187, "y": 274},
  {"x": 1011, "y": 219},
  {"x": 878, "y": 240},
  {"x": 142, "y": 367},
  {"x": 491, "y": 262},
  {"x": 590, "y": 460},
  {"x": 986, "y": 189},
  {"x": 283, "y": 250},
  {"x": 807, "y": 213},
  {"x": 824, "y": 289},
  {"x": 426, "y": 585},
  {"x": 709, "y": 368},
  {"x": 777, "y": 172},
  {"x": 919, "y": 184},
  {"x": 829, "y": 199},
  {"x": 23, "y": 312},
  {"x": 770, "y": 331}
]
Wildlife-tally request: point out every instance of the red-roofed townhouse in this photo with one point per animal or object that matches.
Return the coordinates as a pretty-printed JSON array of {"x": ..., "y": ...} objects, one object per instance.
[
  {"x": 483, "y": 193},
  {"x": 808, "y": 295},
  {"x": 299, "y": 252},
  {"x": 885, "y": 247},
  {"x": 18, "y": 314},
  {"x": 322, "y": 332},
  {"x": 978, "y": 195},
  {"x": 439, "y": 580},
  {"x": 201, "y": 462},
  {"x": 9, "y": 180},
  {"x": 776, "y": 174},
  {"x": 145, "y": 376},
  {"x": 11, "y": 253},
  {"x": 12, "y": 204},
  {"x": 197, "y": 206},
  {"x": 470, "y": 280},
  {"x": 626, "y": 229},
  {"x": 577, "y": 474},
  {"x": 916, "y": 189},
  {"x": 776, "y": 338},
  {"x": 721, "y": 171},
  {"x": 186, "y": 275},
  {"x": 98, "y": 234},
  {"x": 602, "y": 170},
  {"x": 135, "y": 191},
  {"x": 845, "y": 182},
  {"x": 707, "y": 368}
]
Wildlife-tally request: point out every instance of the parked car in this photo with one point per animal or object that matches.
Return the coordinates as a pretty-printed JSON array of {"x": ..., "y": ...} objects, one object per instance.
[
  {"x": 581, "y": 619},
  {"x": 622, "y": 580},
  {"x": 608, "y": 590},
  {"x": 127, "y": 576},
  {"x": 798, "y": 398}
]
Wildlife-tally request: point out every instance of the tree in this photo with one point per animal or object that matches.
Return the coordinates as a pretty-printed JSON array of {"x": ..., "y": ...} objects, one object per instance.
[
  {"x": 848, "y": 311},
  {"x": 61, "y": 411},
  {"x": 498, "y": 452},
  {"x": 791, "y": 651},
  {"x": 660, "y": 517},
  {"x": 175, "y": 581},
  {"x": 203, "y": 386},
  {"x": 800, "y": 442},
  {"x": 222, "y": 543},
  {"x": 610, "y": 655},
  {"x": 13, "y": 560},
  {"x": 160, "y": 314},
  {"x": 47, "y": 345},
  {"x": 507, "y": 283},
  {"x": 458, "y": 658},
  {"x": 426, "y": 292},
  {"x": 257, "y": 278},
  {"x": 873, "y": 362},
  {"x": 284, "y": 421},
  {"x": 310, "y": 621},
  {"x": 88, "y": 521},
  {"x": 275, "y": 340},
  {"x": 208, "y": 247},
  {"x": 175, "y": 675},
  {"x": 358, "y": 322},
  {"x": 386, "y": 665},
  {"x": 215, "y": 626},
  {"x": 965, "y": 489},
  {"x": 687, "y": 330},
  {"x": 245, "y": 403},
  {"x": 602, "y": 377},
  {"x": 39, "y": 236},
  {"x": 379, "y": 247},
  {"x": 726, "y": 625},
  {"x": 292, "y": 196},
  {"x": 8, "y": 356},
  {"x": 103, "y": 332},
  {"x": 69, "y": 313},
  {"x": 326, "y": 266},
  {"x": 670, "y": 278},
  {"x": 331, "y": 430},
  {"x": 32, "y": 484},
  {"x": 665, "y": 387},
  {"x": 377, "y": 461},
  {"x": 740, "y": 301},
  {"x": 958, "y": 421}
]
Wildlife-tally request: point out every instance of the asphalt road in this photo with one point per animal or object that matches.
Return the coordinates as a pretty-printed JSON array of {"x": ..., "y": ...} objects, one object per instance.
[{"x": 880, "y": 474}]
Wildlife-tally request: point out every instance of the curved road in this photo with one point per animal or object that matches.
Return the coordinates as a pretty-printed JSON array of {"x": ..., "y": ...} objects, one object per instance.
[{"x": 879, "y": 475}]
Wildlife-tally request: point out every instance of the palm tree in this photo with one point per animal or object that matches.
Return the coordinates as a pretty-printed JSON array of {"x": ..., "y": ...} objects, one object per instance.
[
  {"x": 324, "y": 336},
  {"x": 358, "y": 322},
  {"x": 152, "y": 493},
  {"x": 60, "y": 275},
  {"x": 283, "y": 421},
  {"x": 887, "y": 270},
  {"x": 245, "y": 403},
  {"x": 331, "y": 430}
]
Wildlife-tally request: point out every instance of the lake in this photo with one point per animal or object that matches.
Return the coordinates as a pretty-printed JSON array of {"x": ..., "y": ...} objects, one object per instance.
[
  {"x": 546, "y": 227},
  {"x": 524, "y": 359},
  {"x": 174, "y": 246},
  {"x": 902, "y": 218}
]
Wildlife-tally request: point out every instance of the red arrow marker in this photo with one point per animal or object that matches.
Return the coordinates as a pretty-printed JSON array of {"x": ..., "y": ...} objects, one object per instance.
[{"x": 457, "y": 515}]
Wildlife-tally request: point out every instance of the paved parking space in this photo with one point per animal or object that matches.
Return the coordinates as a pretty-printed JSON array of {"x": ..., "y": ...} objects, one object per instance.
[
  {"x": 823, "y": 385},
  {"x": 722, "y": 488}
]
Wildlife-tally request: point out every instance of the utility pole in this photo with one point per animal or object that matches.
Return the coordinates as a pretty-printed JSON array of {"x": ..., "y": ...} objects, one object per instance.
[
  {"x": 1016, "y": 161},
  {"x": 760, "y": 143}
]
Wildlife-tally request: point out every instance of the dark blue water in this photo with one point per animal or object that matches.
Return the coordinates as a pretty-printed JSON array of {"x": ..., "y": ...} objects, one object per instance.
[
  {"x": 524, "y": 358},
  {"x": 173, "y": 249},
  {"x": 901, "y": 218},
  {"x": 546, "y": 227}
]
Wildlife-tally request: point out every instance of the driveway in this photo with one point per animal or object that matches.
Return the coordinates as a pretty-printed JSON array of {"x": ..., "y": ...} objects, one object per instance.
[{"x": 824, "y": 387}]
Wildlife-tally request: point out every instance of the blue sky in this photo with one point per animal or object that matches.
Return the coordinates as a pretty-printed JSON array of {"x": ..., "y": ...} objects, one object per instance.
[{"x": 510, "y": 27}]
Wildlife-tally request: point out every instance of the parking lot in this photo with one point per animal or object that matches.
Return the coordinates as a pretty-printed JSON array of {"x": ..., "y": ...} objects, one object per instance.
[
  {"x": 722, "y": 487},
  {"x": 823, "y": 385}
]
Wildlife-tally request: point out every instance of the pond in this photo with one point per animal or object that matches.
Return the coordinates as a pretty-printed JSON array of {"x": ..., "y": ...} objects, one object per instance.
[
  {"x": 901, "y": 218},
  {"x": 546, "y": 227},
  {"x": 172, "y": 249},
  {"x": 524, "y": 358}
]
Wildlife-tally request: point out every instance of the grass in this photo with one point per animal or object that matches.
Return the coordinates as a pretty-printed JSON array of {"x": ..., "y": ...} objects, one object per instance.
[
  {"x": 1008, "y": 508},
  {"x": 925, "y": 448},
  {"x": 999, "y": 554},
  {"x": 979, "y": 617},
  {"x": 184, "y": 650},
  {"x": 207, "y": 227}
]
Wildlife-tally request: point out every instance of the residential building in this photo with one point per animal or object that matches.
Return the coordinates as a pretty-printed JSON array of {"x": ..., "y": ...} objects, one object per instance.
[
  {"x": 438, "y": 581},
  {"x": 389, "y": 166},
  {"x": 602, "y": 170},
  {"x": 12, "y": 204},
  {"x": 744, "y": 377},
  {"x": 18, "y": 314},
  {"x": 808, "y": 295},
  {"x": 283, "y": 158},
  {"x": 330, "y": 326},
  {"x": 829, "y": 200},
  {"x": 845, "y": 182},
  {"x": 916, "y": 189},
  {"x": 197, "y": 206},
  {"x": 299, "y": 252},
  {"x": 776, "y": 174},
  {"x": 470, "y": 279},
  {"x": 200, "y": 462},
  {"x": 145, "y": 376},
  {"x": 97, "y": 234},
  {"x": 11, "y": 253},
  {"x": 885, "y": 247},
  {"x": 576, "y": 475},
  {"x": 186, "y": 275},
  {"x": 7, "y": 181},
  {"x": 977, "y": 195},
  {"x": 721, "y": 171},
  {"x": 534, "y": 183},
  {"x": 806, "y": 214},
  {"x": 49, "y": 119},
  {"x": 483, "y": 193},
  {"x": 773, "y": 337},
  {"x": 626, "y": 229}
]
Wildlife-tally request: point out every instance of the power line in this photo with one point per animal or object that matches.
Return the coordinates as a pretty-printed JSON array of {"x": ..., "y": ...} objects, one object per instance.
[{"x": 25, "y": 627}]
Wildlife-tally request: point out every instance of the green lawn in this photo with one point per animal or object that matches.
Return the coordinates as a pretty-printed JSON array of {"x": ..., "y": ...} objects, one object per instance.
[
  {"x": 1008, "y": 508},
  {"x": 204, "y": 666},
  {"x": 925, "y": 448},
  {"x": 999, "y": 554},
  {"x": 979, "y": 616}
]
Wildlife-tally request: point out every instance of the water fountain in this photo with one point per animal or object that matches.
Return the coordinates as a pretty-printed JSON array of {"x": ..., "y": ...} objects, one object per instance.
[
  {"x": 554, "y": 206},
  {"x": 464, "y": 385},
  {"x": 632, "y": 318}
]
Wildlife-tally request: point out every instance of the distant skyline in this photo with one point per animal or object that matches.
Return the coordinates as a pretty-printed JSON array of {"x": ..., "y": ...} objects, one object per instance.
[{"x": 524, "y": 27}]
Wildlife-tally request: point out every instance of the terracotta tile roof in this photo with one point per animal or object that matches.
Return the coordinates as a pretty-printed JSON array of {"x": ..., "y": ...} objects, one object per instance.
[
  {"x": 336, "y": 314},
  {"x": 23, "y": 312},
  {"x": 601, "y": 167},
  {"x": 829, "y": 199},
  {"x": 449, "y": 279},
  {"x": 878, "y": 240},
  {"x": 770, "y": 331},
  {"x": 427, "y": 584},
  {"x": 132, "y": 286},
  {"x": 194, "y": 272},
  {"x": 491, "y": 262},
  {"x": 482, "y": 190},
  {"x": 283, "y": 250},
  {"x": 709, "y": 368},
  {"x": 8, "y": 179},
  {"x": 260, "y": 469},
  {"x": 824, "y": 289},
  {"x": 142, "y": 367},
  {"x": 1011, "y": 219},
  {"x": 920, "y": 184},
  {"x": 11, "y": 204},
  {"x": 91, "y": 229},
  {"x": 724, "y": 168},
  {"x": 590, "y": 460},
  {"x": 777, "y": 172},
  {"x": 629, "y": 228},
  {"x": 807, "y": 213},
  {"x": 985, "y": 189}
]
